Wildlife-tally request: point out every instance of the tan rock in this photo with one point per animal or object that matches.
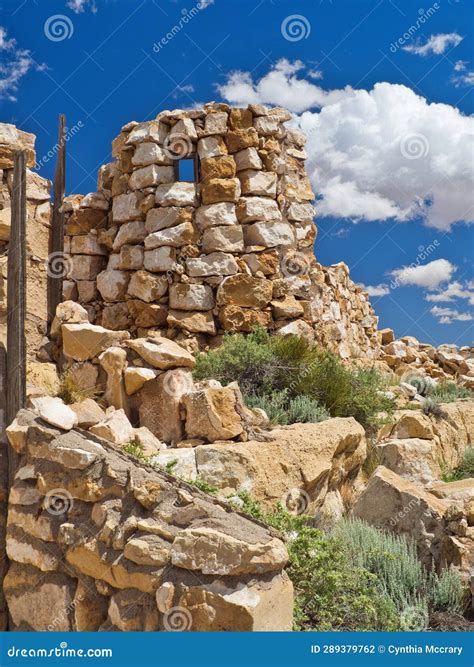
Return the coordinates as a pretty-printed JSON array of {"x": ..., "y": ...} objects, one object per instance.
[
  {"x": 149, "y": 443},
  {"x": 115, "y": 427},
  {"x": 150, "y": 175},
  {"x": 147, "y": 550},
  {"x": 135, "y": 378},
  {"x": 235, "y": 318},
  {"x": 218, "y": 167},
  {"x": 248, "y": 158},
  {"x": 146, "y": 286},
  {"x": 131, "y": 258},
  {"x": 288, "y": 307},
  {"x": 88, "y": 413},
  {"x": 177, "y": 236},
  {"x": 84, "y": 220},
  {"x": 246, "y": 291},
  {"x": 160, "y": 259},
  {"x": 114, "y": 361},
  {"x": 211, "y": 147},
  {"x": 147, "y": 314},
  {"x": 211, "y": 414},
  {"x": 53, "y": 411},
  {"x": 239, "y": 139},
  {"x": 126, "y": 207},
  {"x": 259, "y": 183},
  {"x": 113, "y": 284},
  {"x": 162, "y": 218},
  {"x": 269, "y": 234},
  {"x": 220, "y": 190},
  {"x": 213, "y": 215},
  {"x": 162, "y": 353},
  {"x": 223, "y": 239},
  {"x": 194, "y": 322},
  {"x": 85, "y": 341},
  {"x": 184, "y": 296},
  {"x": 160, "y": 404},
  {"x": 129, "y": 233},
  {"x": 193, "y": 547},
  {"x": 255, "y": 209}
]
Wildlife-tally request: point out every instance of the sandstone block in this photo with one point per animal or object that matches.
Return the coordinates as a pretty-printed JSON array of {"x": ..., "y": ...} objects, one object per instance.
[
  {"x": 86, "y": 267},
  {"x": 248, "y": 158},
  {"x": 191, "y": 297},
  {"x": 214, "y": 215},
  {"x": 87, "y": 245},
  {"x": 217, "y": 167},
  {"x": 259, "y": 183},
  {"x": 220, "y": 190},
  {"x": 113, "y": 284},
  {"x": 135, "y": 378},
  {"x": 246, "y": 291},
  {"x": 223, "y": 239},
  {"x": 269, "y": 234},
  {"x": 211, "y": 414},
  {"x": 214, "y": 264},
  {"x": 216, "y": 123},
  {"x": 211, "y": 147},
  {"x": 129, "y": 234},
  {"x": 149, "y": 153},
  {"x": 251, "y": 209},
  {"x": 88, "y": 413},
  {"x": 126, "y": 207},
  {"x": 194, "y": 322},
  {"x": 147, "y": 287},
  {"x": 235, "y": 318},
  {"x": 55, "y": 412},
  {"x": 162, "y": 353},
  {"x": 239, "y": 139},
  {"x": 161, "y": 218},
  {"x": 160, "y": 405},
  {"x": 176, "y": 194},
  {"x": 149, "y": 176},
  {"x": 160, "y": 259},
  {"x": 115, "y": 427},
  {"x": 131, "y": 258},
  {"x": 85, "y": 341},
  {"x": 183, "y": 234}
]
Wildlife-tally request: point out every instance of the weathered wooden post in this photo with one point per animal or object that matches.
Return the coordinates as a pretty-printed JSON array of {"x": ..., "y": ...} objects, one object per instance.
[{"x": 56, "y": 262}]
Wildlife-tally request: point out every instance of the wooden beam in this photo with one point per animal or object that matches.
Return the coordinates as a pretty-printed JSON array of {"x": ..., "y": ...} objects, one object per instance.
[
  {"x": 16, "y": 294},
  {"x": 56, "y": 261}
]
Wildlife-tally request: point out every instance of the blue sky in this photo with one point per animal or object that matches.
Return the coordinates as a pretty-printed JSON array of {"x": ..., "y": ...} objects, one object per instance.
[{"x": 384, "y": 89}]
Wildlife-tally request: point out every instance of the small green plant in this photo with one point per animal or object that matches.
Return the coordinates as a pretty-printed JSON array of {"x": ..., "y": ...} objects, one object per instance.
[
  {"x": 464, "y": 470},
  {"x": 204, "y": 486},
  {"x": 373, "y": 458},
  {"x": 69, "y": 390},
  {"x": 170, "y": 466},
  {"x": 136, "y": 449},
  {"x": 446, "y": 392},
  {"x": 431, "y": 408}
]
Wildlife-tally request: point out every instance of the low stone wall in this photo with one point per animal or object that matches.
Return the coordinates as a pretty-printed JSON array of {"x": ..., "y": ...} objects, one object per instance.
[{"x": 97, "y": 541}]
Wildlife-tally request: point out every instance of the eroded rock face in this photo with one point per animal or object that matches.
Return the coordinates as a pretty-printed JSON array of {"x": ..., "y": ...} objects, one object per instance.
[{"x": 118, "y": 547}]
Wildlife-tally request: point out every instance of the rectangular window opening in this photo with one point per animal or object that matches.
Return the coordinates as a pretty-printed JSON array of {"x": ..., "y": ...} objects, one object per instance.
[{"x": 186, "y": 170}]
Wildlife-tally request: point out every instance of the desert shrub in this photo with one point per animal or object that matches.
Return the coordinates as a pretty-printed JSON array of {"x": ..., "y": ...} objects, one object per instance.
[
  {"x": 423, "y": 384},
  {"x": 394, "y": 561},
  {"x": 330, "y": 593},
  {"x": 265, "y": 366},
  {"x": 431, "y": 408},
  {"x": 446, "y": 392},
  {"x": 464, "y": 470},
  {"x": 282, "y": 409},
  {"x": 69, "y": 390},
  {"x": 135, "y": 448}
]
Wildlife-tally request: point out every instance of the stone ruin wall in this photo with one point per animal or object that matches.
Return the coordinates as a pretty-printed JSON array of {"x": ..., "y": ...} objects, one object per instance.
[
  {"x": 121, "y": 546},
  {"x": 230, "y": 252},
  {"x": 37, "y": 234}
]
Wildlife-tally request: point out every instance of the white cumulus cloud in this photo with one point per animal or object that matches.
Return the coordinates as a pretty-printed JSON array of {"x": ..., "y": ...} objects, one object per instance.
[
  {"x": 14, "y": 64},
  {"x": 449, "y": 315},
  {"x": 429, "y": 275},
  {"x": 376, "y": 290},
  {"x": 377, "y": 154},
  {"x": 78, "y": 6},
  {"x": 436, "y": 44},
  {"x": 454, "y": 290}
]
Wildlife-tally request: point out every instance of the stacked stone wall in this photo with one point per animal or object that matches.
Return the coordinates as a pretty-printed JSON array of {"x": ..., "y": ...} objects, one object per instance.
[{"x": 228, "y": 252}]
